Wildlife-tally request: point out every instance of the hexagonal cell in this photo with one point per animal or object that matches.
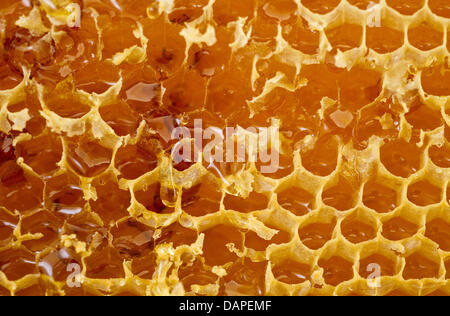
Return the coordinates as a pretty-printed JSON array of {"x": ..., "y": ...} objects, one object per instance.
[
  {"x": 105, "y": 263},
  {"x": 419, "y": 267},
  {"x": 64, "y": 195},
  {"x": 302, "y": 38},
  {"x": 341, "y": 196},
  {"x": 121, "y": 118},
  {"x": 41, "y": 153},
  {"x": 19, "y": 190},
  {"x": 45, "y": 223},
  {"x": 8, "y": 224},
  {"x": 291, "y": 272},
  {"x": 398, "y": 228},
  {"x": 279, "y": 170},
  {"x": 436, "y": 80},
  {"x": 401, "y": 158},
  {"x": 438, "y": 230},
  {"x": 195, "y": 274},
  {"x": 315, "y": 235},
  {"x": 112, "y": 203},
  {"x": 178, "y": 235},
  {"x": 345, "y": 36},
  {"x": 424, "y": 193},
  {"x": 253, "y": 241},
  {"x": 425, "y": 37},
  {"x": 336, "y": 270},
  {"x": 407, "y": 7},
  {"x": 296, "y": 200},
  {"x": 422, "y": 117},
  {"x": 380, "y": 197},
  {"x": 376, "y": 263},
  {"x": 145, "y": 266},
  {"x": 254, "y": 202},
  {"x": 65, "y": 103},
  {"x": 202, "y": 199},
  {"x": 150, "y": 198},
  {"x": 440, "y": 8},
  {"x": 133, "y": 161},
  {"x": 86, "y": 157},
  {"x": 321, "y": 7},
  {"x": 384, "y": 39},
  {"x": 322, "y": 160},
  {"x": 56, "y": 264},
  {"x": 16, "y": 264},
  {"x": 358, "y": 230},
  {"x": 244, "y": 278},
  {"x": 215, "y": 248},
  {"x": 132, "y": 239},
  {"x": 440, "y": 156}
]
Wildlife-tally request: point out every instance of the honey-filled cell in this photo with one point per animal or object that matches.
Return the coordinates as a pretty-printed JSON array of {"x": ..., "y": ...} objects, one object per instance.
[{"x": 98, "y": 99}]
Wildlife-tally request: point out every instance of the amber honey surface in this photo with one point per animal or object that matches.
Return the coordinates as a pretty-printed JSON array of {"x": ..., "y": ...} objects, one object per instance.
[{"x": 93, "y": 203}]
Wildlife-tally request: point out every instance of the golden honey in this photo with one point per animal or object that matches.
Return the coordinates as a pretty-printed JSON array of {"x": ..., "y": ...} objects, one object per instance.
[{"x": 93, "y": 202}]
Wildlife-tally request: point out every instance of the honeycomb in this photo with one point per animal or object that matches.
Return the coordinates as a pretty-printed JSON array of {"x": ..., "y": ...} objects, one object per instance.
[{"x": 93, "y": 203}]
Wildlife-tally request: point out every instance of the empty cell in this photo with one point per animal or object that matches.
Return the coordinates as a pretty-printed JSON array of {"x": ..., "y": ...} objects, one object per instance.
[
  {"x": 380, "y": 197},
  {"x": 440, "y": 156},
  {"x": 315, "y": 235},
  {"x": 423, "y": 193},
  {"x": 438, "y": 230},
  {"x": 419, "y": 267},
  {"x": 357, "y": 231},
  {"x": 254, "y": 202},
  {"x": 376, "y": 265},
  {"x": 383, "y": 39},
  {"x": 398, "y": 228},
  {"x": 401, "y": 158},
  {"x": 425, "y": 37},
  {"x": 291, "y": 272},
  {"x": 296, "y": 200},
  {"x": 321, "y": 6},
  {"x": 407, "y": 7},
  {"x": 336, "y": 270},
  {"x": 440, "y": 7},
  {"x": 345, "y": 36},
  {"x": 341, "y": 196}
]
